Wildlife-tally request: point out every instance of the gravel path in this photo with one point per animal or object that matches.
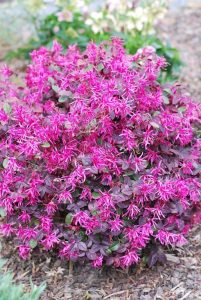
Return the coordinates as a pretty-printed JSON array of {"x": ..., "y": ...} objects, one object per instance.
[{"x": 180, "y": 278}]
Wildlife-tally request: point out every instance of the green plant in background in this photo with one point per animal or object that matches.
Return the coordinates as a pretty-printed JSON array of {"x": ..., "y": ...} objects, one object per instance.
[
  {"x": 165, "y": 49},
  {"x": 80, "y": 21},
  {"x": 11, "y": 291}
]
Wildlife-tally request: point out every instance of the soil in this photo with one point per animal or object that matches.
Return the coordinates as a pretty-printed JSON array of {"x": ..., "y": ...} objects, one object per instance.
[{"x": 180, "y": 278}]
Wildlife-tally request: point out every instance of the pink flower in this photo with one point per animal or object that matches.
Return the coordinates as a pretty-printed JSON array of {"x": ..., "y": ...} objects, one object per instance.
[
  {"x": 138, "y": 163},
  {"x": 49, "y": 241},
  {"x": 168, "y": 238},
  {"x": 3, "y": 116},
  {"x": 132, "y": 211},
  {"x": 51, "y": 208},
  {"x": 129, "y": 139},
  {"x": 152, "y": 156},
  {"x": 184, "y": 135},
  {"x": 65, "y": 252},
  {"x": 26, "y": 233},
  {"x": 24, "y": 217},
  {"x": 65, "y": 197},
  {"x": 105, "y": 201},
  {"x": 187, "y": 168},
  {"x": 46, "y": 224},
  {"x": 166, "y": 190},
  {"x": 97, "y": 263},
  {"x": 24, "y": 251},
  {"x": 86, "y": 194},
  {"x": 7, "y": 229},
  {"x": 116, "y": 225},
  {"x": 129, "y": 259},
  {"x": 156, "y": 212},
  {"x": 6, "y": 72},
  {"x": 81, "y": 218}
]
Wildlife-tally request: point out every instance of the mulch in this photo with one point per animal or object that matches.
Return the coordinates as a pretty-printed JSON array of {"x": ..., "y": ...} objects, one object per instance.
[{"x": 179, "y": 278}]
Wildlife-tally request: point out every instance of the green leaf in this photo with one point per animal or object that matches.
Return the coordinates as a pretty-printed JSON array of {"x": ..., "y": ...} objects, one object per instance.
[
  {"x": 33, "y": 243},
  {"x": 95, "y": 195},
  {"x": 100, "y": 67},
  {"x": 109, "y": 251},
  {"x": 89, "y": 68},
  {"x": 55, "y": 88},
  {"x": 166, "y": 100},
  {"x": 168, "y": 91},
  {"x": 182, "y": 109},
  {"x": 65, "y": 96},
  {"x": 5, "y": 163},
  {"x": 69, "y": 218},
  {"x": 46, "y": 145},
  {"x": 114, "y": 247},
  {"x": 62, "y": 99},
  {"x": 94, "y": 212},
  {"x": 7, "y": 108},
  {"x": 2, "y": 212}
]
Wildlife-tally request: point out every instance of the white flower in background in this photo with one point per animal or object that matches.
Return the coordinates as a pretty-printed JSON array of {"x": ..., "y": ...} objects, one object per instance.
[
  {"x": 126, "y": 15},
  {"x": 65, "y": 15}
]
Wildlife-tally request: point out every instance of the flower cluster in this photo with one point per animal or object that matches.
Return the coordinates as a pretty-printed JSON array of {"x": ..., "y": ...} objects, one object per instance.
[{"x": 98, "y": 160}]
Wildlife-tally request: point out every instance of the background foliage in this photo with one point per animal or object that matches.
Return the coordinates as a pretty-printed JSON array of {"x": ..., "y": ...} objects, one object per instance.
[{"x": 79, "y": 22}]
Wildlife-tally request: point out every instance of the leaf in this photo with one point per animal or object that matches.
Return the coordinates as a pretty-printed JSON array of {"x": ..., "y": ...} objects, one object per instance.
[
  {"x": 55, "y": 88},
  {"x": 152, "y": 259},
  {"x": 82, "y": 246},
  {"x": 154, "y": 125},
  {"x": 168, "y": 91},
  {"x": 46, "y": 145},
  {"x": 33, "y": 243},
  {"x": 68, "y": 94},
  {"x": 90, "y": 255},
  {"x": 166, "y": 100},
  {"x": 94, "y": 212},
  {"x": 89, "y": 68},
  {"x": 62, "y": 99},
  {"x": 182, "y": 109},
  {"x": 95, "y": 195},
  {"x": 7, "y": 108},
  {"x": 100, "y": 67},
  {"x": 2, "y": 212},
  {"x": 69, "y": 218},
  {"x": 115, "y": 246},
  {"x": 71, "y": 33},
  {"x": 5, "y": 163}
]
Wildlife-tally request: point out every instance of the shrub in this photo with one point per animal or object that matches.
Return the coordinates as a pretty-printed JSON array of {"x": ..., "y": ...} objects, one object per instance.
[
  {"x": 99, "y": 161},
  {"x": 8, "y": 290}
]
